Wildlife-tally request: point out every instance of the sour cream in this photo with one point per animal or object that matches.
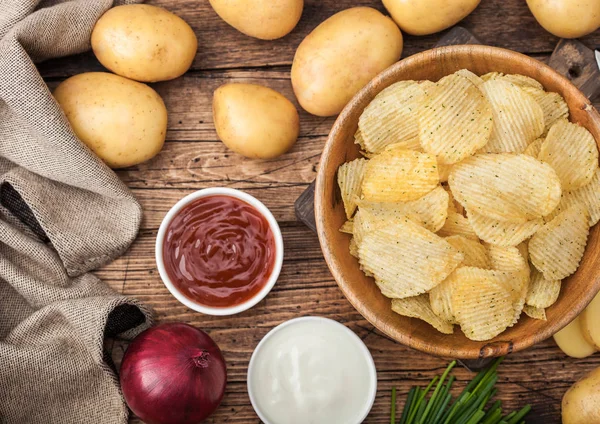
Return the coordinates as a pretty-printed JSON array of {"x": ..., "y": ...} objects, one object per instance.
[{"x": 312, "y": 370}]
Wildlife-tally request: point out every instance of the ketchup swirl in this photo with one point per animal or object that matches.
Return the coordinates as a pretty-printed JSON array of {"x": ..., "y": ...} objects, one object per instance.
[{"x": 219, "y": 251}]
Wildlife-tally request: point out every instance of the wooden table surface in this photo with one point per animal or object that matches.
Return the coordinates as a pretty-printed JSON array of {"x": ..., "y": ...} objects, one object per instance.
[{"x": 193, "y": 158}]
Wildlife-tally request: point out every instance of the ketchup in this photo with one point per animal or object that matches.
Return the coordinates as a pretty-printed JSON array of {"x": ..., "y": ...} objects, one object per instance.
[{"x": 219, "y": 251}]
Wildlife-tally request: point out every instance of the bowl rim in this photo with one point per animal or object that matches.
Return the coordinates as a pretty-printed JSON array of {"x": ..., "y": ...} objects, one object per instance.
[
  {"x": 316, "y": 319},
  {"x": 488, "y": 348},
  {"x": 252, "y": 201}
]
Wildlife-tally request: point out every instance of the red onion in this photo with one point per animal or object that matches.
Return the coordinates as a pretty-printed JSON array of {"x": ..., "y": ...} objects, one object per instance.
[{"x": 173, "y": 374}]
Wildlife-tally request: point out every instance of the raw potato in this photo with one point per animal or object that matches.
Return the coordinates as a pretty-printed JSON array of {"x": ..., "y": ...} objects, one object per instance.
[
  {"x": 255, "y": 121},
  {"x": 580, "y": 402},
  {"x": 144, "y": 43},
  {"x": 422, "y": 17},
  {"x": 264, "y": 19},
  {"x": 124, "y": 122},
  {"x": 340, "y": 56},
  {"x": 571, "y": 341},
  {"x": 590, "y": 322},
  {"x": 567, "y": 18}
]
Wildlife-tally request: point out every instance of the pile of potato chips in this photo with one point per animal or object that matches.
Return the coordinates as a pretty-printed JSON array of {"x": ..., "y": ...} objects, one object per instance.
[{"x": 473, "y": 200}]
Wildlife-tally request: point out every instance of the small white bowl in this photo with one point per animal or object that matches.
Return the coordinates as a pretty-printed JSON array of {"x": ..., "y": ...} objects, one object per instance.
[
  {"x": 360, "y": 345},
  {"x": 220, "y": 191}
]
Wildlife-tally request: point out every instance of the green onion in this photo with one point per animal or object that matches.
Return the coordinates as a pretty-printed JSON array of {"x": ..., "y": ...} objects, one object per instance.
[
  {"x": 469, "y": 407},
  {"x": 393, "y": 409}
]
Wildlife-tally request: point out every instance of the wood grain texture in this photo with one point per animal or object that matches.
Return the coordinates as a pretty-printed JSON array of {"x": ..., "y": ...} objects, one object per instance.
[{"x": 193, "y": 158}]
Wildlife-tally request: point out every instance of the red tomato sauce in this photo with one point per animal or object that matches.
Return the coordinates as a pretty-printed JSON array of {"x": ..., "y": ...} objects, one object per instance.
[{"x": 219, "y": 251}]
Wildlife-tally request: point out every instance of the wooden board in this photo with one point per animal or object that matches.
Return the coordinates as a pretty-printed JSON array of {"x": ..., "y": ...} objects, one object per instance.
[{"x": 193, "y": 158}]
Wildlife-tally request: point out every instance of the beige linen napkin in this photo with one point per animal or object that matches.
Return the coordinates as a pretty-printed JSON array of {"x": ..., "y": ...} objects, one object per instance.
[{"x": 62, "y": 214}]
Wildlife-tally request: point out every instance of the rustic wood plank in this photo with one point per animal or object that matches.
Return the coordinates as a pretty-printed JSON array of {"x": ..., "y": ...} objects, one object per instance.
[{"x": 577, "y": 62}]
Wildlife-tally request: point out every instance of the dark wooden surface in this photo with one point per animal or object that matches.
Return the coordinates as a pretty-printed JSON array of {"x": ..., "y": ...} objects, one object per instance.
[{"x": 193, "y": 158}]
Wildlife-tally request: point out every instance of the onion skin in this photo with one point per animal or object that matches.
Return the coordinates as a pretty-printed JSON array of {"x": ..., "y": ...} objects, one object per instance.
[{"x": 173, "y": 374}]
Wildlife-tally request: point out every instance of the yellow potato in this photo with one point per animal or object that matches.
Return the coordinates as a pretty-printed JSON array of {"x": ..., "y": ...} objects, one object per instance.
[
  {"x": 567, "y": 18},
  {"x": 590, "y": 322},
  {"x": 124, "y": 122},
  {"x": 341, "y": 56},
  {"x": 571, "y": 341},
  {"x": 580, "y": 402},
  {"x": 255, "y": 121},
  {"x": 422, "y": 17},
  {"x": 144, "y": 43},
  {"x": 264, "y": 19}
]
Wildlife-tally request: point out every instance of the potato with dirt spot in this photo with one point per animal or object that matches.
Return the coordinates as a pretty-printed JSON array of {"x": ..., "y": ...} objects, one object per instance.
[
  {"x": 255, "y": 121},
  {"x": 145, "y": 43},
  {"x": 581, "y": 403},
  {"x": 123, "y": 121}
]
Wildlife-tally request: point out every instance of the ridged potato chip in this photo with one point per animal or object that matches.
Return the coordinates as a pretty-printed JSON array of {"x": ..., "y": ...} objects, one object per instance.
[
  {"x": 571, "y": 150},
  {"x": 399, "y": 175},
  {"x": 406, "y": 258},
  {"x": 502, "y": 233},
  {"x": 350, "y": 177},
  {"x": 457, "y": 225},
  {"x": 481, "y": 304},
  {"x": 410, "y": 144},
  {"x": 364, "y": 222},
  {"x": 440, "y": 298},
  {"x": 588, "y": 195},
  {"x": 430, "y": 210},
  {"x": 419, "y": 307},
  {"x": 517, "y": 118},
  {"x": 453, "y": 205},
  {"x": 535, "y": 313},
  {"x": 353, "y": 248},
  {"x": 474, "y": 252},
  {"x": 524, "y": 250},
  {"x": 511, "y": 262},
  {"x": 516, "y": 79},
  {"x": 534, "y": 148},
  {"x": 455, "y": 120},
  {"x": 444, "y": 171},
  {"x": 542, "y": 292},
  {"x": 557, "y": 248},
  {"x": 553, "y": 105},
  {"x": 426, "y": 84},
  {"x": 391, "y": 118},
  {"x": 475, "y": 79},
  {"x": 358, "y": 139},
  {"x": 505, "y": 187},
  {"x": 347, "y": 227}
]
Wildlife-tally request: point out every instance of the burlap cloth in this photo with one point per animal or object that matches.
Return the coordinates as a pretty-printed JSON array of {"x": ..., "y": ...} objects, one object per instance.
[{"x": 62, "y": 214}]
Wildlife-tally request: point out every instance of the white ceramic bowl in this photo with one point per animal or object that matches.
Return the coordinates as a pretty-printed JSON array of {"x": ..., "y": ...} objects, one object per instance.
[
  {"x": 372, "y": 371},
  {"x": 220, "y": 191}
]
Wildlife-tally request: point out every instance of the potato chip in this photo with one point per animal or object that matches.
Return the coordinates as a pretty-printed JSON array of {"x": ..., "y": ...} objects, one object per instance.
[
  {"x": 444, "y": 171},
  {"x": 524, "y": 250},
  {"x": 474, "y": 252},
  {"x": 426, "y": 84},
  {"x": 453, "y": 205},
  {"x": 511, "y": 262},
  {"x": 534, "y": 148},
  {"x": 505, "y": 187},
  {"x": 455, "y": 120},
  {"x": 399, "y": 175},
  {"x": 456, "y": 224},
  {"x": 347, "y": 227},
  {"x": 535, "y": 313},
  {"x": 440, "y": 298},
  {"x": 410, "y": 144},
  {"x": 588, "y": 195},
  {"x": 363, "y": 223},
  {"x": 481, "y": 304},
  {"x": 430, "y": 210},
  {"x": 571, "y": 150},
  {"x": 353, "y": 248},
  {"x": 358, "y": 139},
  {"x": 517, "y": 118},
  {"x": 476, "y": 80},
  {"x": 552, "y": 104},
  {"x": 406, "y": 258},
  {"x": 419, "y": 307},
  {"x": 542, "y": 292},
  {"x": 350, "y": 176},
  {"x": 516, "y": 79},
  {"x": 557, "y": 248},
  {"x": 502, "y": 233},
  {"x": 392, "y": 116}
]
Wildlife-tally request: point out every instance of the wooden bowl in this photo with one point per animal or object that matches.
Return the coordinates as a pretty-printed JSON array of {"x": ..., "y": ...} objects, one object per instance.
[{"x": 577, "y": 290}]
